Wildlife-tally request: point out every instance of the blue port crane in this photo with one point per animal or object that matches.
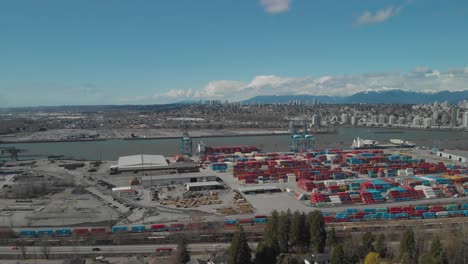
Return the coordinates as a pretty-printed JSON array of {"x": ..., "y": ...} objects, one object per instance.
[
  {"x": 186, "y": 142},
  {"x": 300, "y": 139}
]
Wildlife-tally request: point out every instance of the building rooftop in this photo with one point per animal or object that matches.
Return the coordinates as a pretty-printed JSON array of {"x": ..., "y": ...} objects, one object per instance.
[
  {"x": 142, "y": 160},
  {"x": 201, "y": 184},
  {"x": 258, "y": 188},
  {"x": 462, "y": 153},
  {"x": 176, "y": 176}
]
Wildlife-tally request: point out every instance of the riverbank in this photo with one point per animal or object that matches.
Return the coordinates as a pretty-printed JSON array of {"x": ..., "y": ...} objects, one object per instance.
[{"x": 83, "y": 135}]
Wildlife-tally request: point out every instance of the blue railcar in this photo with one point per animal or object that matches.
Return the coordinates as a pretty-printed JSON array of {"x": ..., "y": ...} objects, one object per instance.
[
  {"x": 63, "y": 232},
  {"x": 260, "y": 221},
  {"x": 138, "y": 229},
  {"x": 28, "y": 233},
  {"x": 464, "y": 206},
  {"x": 47, "y": 232},
  {"x": 230, "y": 222},
  {"x": 119, "y": 229}
]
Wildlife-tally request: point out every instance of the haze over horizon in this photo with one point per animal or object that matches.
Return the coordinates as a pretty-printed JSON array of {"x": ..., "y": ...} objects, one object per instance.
[{"x": 88, "y": 52}]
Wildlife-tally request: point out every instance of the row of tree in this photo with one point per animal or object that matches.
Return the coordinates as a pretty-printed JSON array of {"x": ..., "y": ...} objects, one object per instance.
[{"x": 289, "y": 237}]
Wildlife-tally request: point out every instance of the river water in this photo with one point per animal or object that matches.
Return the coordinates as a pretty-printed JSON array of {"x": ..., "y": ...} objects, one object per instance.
[{"x": 112, "y": 149}]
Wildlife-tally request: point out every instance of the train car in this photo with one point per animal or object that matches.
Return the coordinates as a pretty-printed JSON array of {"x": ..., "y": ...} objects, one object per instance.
[
  {"x": 260, "y": 221},
  {"x": 81, "y": 231},
  {"x": 27, "y": 233},
  {"x": 65, "y": 232},
  {"x": 159, "y": 228},
  {"x": 464, "y": 206},
  {"x": 98, "y": 230},
  {"x": 138, "y": 229},
  {"x": 45, "y": 232},
  {"x": 230, "y": 222},
  {"x": 7, "y": 233},
  {"x": 177, "y": 227},
  {"x": 119, "y": 229},
  {"x": 246, "y": 221}
]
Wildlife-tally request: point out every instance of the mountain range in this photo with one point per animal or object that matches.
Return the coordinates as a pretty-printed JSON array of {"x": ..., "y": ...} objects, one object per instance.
[{"x": 394, "y": 96}]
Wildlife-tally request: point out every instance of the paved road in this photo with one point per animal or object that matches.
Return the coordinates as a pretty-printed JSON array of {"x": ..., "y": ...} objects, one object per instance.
[{"x": 116, "y": 249}]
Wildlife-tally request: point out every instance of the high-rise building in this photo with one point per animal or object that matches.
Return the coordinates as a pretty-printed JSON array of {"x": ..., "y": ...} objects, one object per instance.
[
  {"x": 374, "y": 119},
  {"x": 444, "y": 119},
  {"x": 465, "y": 119},
  {"x": 402, "y": 120},
  {"x": 435, "y": 116},
  {"x": 382, "y": 119},
  {"x": 454, "y": 116},
  {"x": 354, "y": 120},
  {"x": 427, "y": 122},
  {"x": 344, "y": 119},
  {"x": 392, "y": 120},
  {"x": 316, "y": 120},
  {"x": 417, "y": 121}
]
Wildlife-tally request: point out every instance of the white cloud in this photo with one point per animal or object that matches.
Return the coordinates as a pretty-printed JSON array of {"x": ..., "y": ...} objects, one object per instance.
[
  {"x": 276, "y": 6},
  {"x": 421, "y": 79},
  {"x": 379, "y": 16}
]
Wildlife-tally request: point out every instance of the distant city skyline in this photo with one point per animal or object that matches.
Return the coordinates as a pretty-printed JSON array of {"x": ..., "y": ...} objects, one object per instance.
[{"x": 57, "y": 52}]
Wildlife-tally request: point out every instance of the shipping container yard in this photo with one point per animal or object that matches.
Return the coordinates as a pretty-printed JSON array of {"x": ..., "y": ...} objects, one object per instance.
[{"x": 346, "y": 185}]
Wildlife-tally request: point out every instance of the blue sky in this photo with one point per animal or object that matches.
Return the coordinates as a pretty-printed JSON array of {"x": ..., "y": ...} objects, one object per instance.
[{"x": 56, "y": 52}]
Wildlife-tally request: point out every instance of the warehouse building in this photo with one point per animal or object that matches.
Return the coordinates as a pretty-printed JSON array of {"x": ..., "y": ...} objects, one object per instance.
[
  {"x": 151, "y": 162},
  {"x": 203, "y": 186},
  {"x": 175, "y": 179},
  {"x": 259, "y": 189},
  {"x": 455, "y": 155}
]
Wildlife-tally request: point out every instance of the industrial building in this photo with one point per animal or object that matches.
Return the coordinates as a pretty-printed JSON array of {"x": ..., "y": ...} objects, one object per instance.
[
  {"x": 126, "y": 192},
  {"x": 259, "y": 189},
  {"x": 152, "y": 162},
  {"x": 203, "y": 186},
  {"x": 175, "y": 179},
  {"x": 140, "y": 162},
  {"x": 455, "y": 155}
]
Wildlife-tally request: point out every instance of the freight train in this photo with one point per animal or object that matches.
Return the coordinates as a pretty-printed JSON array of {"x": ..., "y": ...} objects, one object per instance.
[{"x": 347, "y": 215}]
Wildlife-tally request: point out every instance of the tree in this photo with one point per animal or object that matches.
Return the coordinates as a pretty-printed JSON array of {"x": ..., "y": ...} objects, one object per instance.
[
  {"x": 45, "y": 247},
  {"x": 268, "y": 250},
  {"x": 408, "y": 247},
  {"x": 284, "y": 224},
  {"x": 436, "y": 253},
  {"x": 372, "y": 258},
  {"x": 338, "y": 255},
  {"x": 265, "y": 254},
  {"x": 289, "y": 259},
  {"x": 381, "y": 245},
  {"x": 181, "y": 254},
  {"x": 318, "y": 234},
  {"x": 296, "y": 230},
  {"x": 332, "y": 238},
  {"x": 367, "y": 240},
  {"x": 22, "y": 247},
  {"x": 239, "y": 251}
]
